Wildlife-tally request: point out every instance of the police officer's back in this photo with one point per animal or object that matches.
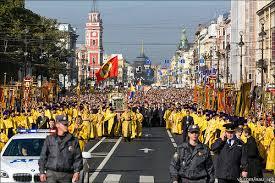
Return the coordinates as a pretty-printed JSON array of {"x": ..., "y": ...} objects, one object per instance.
[
  {"x": 61, "y": 158},
  {"x": 192, "y": 161}
]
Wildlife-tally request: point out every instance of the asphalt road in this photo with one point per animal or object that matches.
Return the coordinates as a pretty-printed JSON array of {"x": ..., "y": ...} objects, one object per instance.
[{"x": 145, "y": 159}]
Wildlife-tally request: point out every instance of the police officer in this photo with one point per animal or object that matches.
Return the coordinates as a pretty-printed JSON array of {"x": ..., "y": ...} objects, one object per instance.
[
  {"x": 60, "y": 158},
  {"x": 192, "y": 161},
  {"x": 231, "y": 157}
]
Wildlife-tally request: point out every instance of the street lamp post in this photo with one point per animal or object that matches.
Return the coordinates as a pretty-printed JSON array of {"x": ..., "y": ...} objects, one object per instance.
[
  {"x": 26, "y": 50},
  {"x": 262, "y": 34},
  {"x": 5, "y": 78},
  {"x": 218, "y": 68},
  {"x": 227, "y": 61},
  {"x": 211, "y": 57},
  {"x": 241, "y": 44}
]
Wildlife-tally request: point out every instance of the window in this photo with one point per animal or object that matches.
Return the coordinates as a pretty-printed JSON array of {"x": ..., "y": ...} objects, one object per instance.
[
  {"x": 138, "y": 69},
  {"x": 93, "y": 60},
  {"x": 250, "y": 76},
  {"x": 94, "y": 42},
  {"x": 24, "y": 147}
]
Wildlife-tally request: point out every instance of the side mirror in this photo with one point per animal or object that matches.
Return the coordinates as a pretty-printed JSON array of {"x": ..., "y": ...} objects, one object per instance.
[{"x": 86, "y": 155}]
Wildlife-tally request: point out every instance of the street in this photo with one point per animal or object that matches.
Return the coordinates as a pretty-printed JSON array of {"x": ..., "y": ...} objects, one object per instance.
[{"x": 142, "y": 160}]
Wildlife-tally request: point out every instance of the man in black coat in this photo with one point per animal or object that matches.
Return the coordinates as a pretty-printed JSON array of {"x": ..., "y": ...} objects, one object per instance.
[
  {"x": 42, "y": 121},
  {"x": 186, "y": 122},
  {"x": 192, "y": 161},
  {"x": 254, "y": 168},
  {"x": 231, "y": 157},
  {"x": 148, "y": 115},
  {"x": 161, "y": 111},
  {"x": 60, "y": 158},
  {"x": 155, "y": 115}
]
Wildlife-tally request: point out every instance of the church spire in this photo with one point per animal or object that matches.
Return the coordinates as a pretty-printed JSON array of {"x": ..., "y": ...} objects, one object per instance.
[
  {"x": 94, "y": 5},
  {"x": 142, "y": 48}
]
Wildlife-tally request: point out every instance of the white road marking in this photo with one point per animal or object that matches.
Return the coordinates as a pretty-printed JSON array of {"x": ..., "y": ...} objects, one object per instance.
[
  {"x": 96, "y": 145},
  {"x": 169, "y": 134},
  {"x": 102, "y": 164},
  {"x": 112, "y": 178},
  {"x": 146, "y": 150},
  {"x": 146, "y": 179},
  {"x": 172, "y": 139}
]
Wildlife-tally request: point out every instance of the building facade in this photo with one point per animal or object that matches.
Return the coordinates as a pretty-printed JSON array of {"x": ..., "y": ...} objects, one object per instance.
[
  {"x": 266, "y": 16},
  {"x": 243, "y": 21},
  {"x": 68, "y": 42},
  {"x": 82, "y": 64},
  {"x": 143, "y": 70},
  {"x": 93, "y": 43}
]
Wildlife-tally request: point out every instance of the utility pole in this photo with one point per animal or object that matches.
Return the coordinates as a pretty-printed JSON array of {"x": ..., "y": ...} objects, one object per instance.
[
  {"x": 227, "y": 61},
  {"x": 210, "y": 56},
  {"x": 241, "y": 44},
  {"x": 262, "y": 34},
  {"x": 218, "y": 68},
  {"x": 26, "y": 51}
]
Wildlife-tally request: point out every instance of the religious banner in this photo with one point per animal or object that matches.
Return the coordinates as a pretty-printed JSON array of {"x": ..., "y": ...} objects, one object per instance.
[
  {"x": 245, "y": 102},
  {"x": 45, "y": 91},
  {"x": 195, "y": 99},
  {"x": 215, "y": 100},
  {"x": 207, "y": 100},
  {"x": 11, "y": 98},
  {"x": 211, "y": 102},
  {"x": 27, "y": 88},
  {"x": 201, "y": 96},
  {"x": 238, "y": 103},
  {"x": 2, "y": 98},
  {"x": 228, "y": 101},
  {"x": 221, "y": 101}
]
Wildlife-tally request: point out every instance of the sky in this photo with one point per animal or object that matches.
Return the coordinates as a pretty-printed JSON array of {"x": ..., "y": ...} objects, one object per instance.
[{"x": 126, "y": 23}]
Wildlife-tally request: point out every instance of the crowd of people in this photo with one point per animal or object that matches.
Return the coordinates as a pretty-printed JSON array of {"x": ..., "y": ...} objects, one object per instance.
[{"x": 92, "y": 116}]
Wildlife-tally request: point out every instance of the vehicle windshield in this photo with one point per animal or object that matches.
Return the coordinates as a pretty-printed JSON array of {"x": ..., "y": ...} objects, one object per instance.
[{"x": 24, "y": 147}]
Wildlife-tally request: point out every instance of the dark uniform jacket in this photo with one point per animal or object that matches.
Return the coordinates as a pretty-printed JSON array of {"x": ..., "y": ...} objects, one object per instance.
[
  {"x": 231, "y": 160},
  {"x": 254, "y": 159},
  {"x": 192, "y": 164},
  {"x": 61, "y": 155}
]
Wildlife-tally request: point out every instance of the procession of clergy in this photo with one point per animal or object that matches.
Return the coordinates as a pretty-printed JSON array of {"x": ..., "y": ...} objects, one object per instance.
[
  {"x": 85, "y": 123},
  {"x": 212, "y": 126},
  {"x": 90, "y": 122}
]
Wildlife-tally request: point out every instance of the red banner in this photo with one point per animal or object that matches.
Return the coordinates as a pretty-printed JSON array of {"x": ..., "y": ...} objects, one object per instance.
[{"x": 108, "y": 70}]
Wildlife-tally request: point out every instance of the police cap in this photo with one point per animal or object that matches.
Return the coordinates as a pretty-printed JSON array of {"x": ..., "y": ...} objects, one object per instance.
[
  {"x": 230, "y": 127},
  {"x": 62, "y": 119},
  {"x": 193, "y": 128}
]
